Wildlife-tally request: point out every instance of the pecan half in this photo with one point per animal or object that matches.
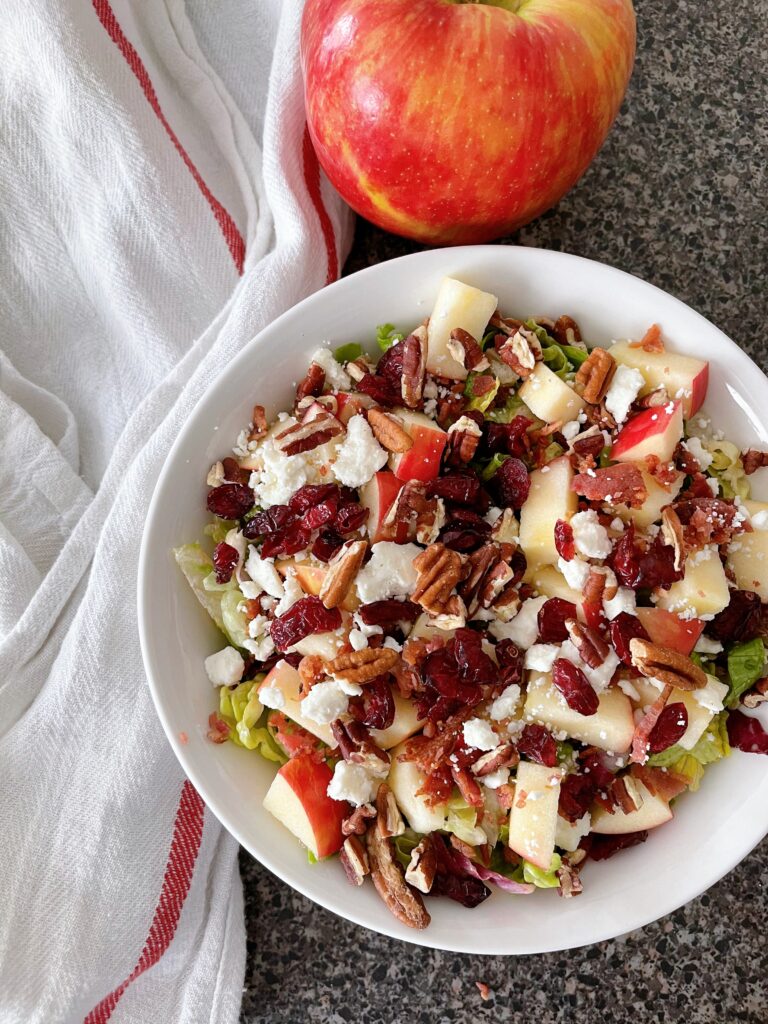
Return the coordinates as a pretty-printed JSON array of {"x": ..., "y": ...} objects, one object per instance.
[
  {"x": 566, "y": 331},
  {"x": 596, "y": 374},
  {"x": 389, "y": 821},
  {"x": 670, "y": 667},
  {"x": 354, "y": 860},
  {"x": 503, "y": 756},
  {"x": 356, "y": 745},
  {"x": 342, "y": 570},
  {"x": 439, "y": 569},
  {"x": 521, "y": 352},
  {"x": 422, "y": 867},
  {"x": 362, "y": 666},
  {"x": 389, "y": 431},
  {"x": 313, "y": 383},
  {"x": 466, "y": 351},
  {"x": 593, "y": 650},
  {"x": 258, "y": 423},
  {"x": 453, "y": 615},
  {"x": 753, "y": 460},
  {"x": 404, "y": 902},
  {"x": 359, "y": 367},
  {"x": 757, "y": 695},
  {"x": 414, "y": 367},
  {"x": 673, "y": 534},
  {"x": 356, "y": 823},
  {"x": 304, "y": 437},
  {"x": 569, "y": 882},
  {"x": 463, "y": 439},
  {"x": 627, "y": 794},
  {"x": 507, "y": 604}
]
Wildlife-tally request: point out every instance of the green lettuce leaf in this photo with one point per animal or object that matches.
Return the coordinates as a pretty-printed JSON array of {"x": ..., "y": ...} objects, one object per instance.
[
  {"x": 479, "y": 402},
  {"x": 745, "y": 666},
  {"x": 350, "y": 352},
  {"x": 576, "y": 356},
  {"x": 461, "y": 819},
  {"x": 727, "y": 468},
  {"x": 404, "y": 844},
  {"x": 234, "y": 619},
  {"x": 219, "y": 528},
  {"x": 556, "y": 360},
  {"x": 197, "y": 566},
  {"x": 514, "y": 406},
  {"x": 491, "y": 468},
  {"x": 387, "y": 336},
  {"x": 242, "y": 711},
  {"x": 712, "y": 746},
  {"x": 538, "y": 877}
]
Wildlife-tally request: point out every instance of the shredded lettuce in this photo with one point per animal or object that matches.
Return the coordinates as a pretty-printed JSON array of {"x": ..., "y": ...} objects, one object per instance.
[
  {"x": 556, "y": 360},
  {"x": 242, "y": 711},
  {"x": 576, "y": 356},
  {"x": 197, "y": 566},
  {"x": 491, "y": 468},
  {"x": 405, "y": 844},
  {"x": 488, "y": 338},
  {"x": 210, "y": 584},
  {"x": 727, "y": 468},
  {"x": 712, "y": 746},
  {"x": 745, "y": 666},
  {"x": 235, "y": 621},
  {"x": 350, "y": 352},
  {"x": 387, "y": 336},
  {"x": 514, "y": 406},
  {"x": 461, "y": 819},
  {"x": 479, "y": 402},
  {"x": 538, "y": 877},
  {"x": 219, "y": 528},
  {"x": 561, "y": 359}
]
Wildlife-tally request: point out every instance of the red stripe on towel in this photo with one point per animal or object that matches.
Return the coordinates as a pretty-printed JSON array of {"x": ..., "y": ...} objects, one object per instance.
[
  {"x": 312, "y": 180},
  {"x": 185, "y": 845},
  {"x": 232, "y": 236}
]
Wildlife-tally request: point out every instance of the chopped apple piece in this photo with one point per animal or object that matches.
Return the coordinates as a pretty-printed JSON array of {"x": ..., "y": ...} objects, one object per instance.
[
  {"x": 549, "y": 397},
  {"x": 298, "y": 798},
  {"x": 533, "y": 819},
  {"x": 425, "y": 629},
  {"x": 569, "y": 834},
  {"x": 669, "y": 630},
  {"x": 377, "y": 496},
  {"x": 748, "y": 556},
  {"x": 610, "y": 728},
  {"x": 549, "y": 499},
  {"x": 547, "y": 580},
  {"x": 422, "y": 460},
  {"x": 699, "y": 704},
  {"x": 457, "y": 305},
  {"x": 655, "y": 431},
  {"x": 703, "y": 590},
  {"x": 405, "y": 724},
  {"x": 653, "y": 812},
  {"x": 405, "y": 780},
  {"x": 658, "y": 496},
  {"x": 286, "y": 679},
  {"x": 310, "y": 578},
  {"x": 324, "y": 645},
  {"x": 683, "y": 377},
  {"x": 349, "y": 405}
]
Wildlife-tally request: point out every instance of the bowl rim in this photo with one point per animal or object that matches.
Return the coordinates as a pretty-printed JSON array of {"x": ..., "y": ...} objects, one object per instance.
[{"x": 751, "y": 836}]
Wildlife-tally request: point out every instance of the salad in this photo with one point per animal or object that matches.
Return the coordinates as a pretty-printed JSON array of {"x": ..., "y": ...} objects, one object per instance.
[{"x": 492, "y": 601}]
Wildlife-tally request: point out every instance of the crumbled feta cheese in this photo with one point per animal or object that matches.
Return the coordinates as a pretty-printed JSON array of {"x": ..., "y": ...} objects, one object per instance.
[
  {"x": 236, "y": 540},
  {"x": 389, "y": 573},
  {"x": 524, "y": 628},
  {"x": 711, "y": 696},
  {"x": 292, "y": 593},
  {"x": 351, "y": 689},
  {"x": 272, "y": 697},
  {"x": 506, "y": 703},
  {"x": 352, "y": 782},
  {"x": 541, "y": 657},
  {"x": 495, "y": 779},
  {"x": 358, "y": 639},
  {"x": 570, "y": 429},
  {"x": 599, "y": 677},
  {"x": 626, "y": 686},
  {"x": 325, "y": 702},
  {"x": 480, "y": 734},
  {"x": 706, "y": 646},
  {"x": 714, "y": 486},
  {"x": 624, "y": 601},
  {"x": 430, "y": 389},
  {"x": 591, "y": 539},
  {"x": 617, "y": 525},
  {"x": 392, "y": 644},
  {"x": 465, "y": 425},
  {"x": 624, "y": 389},
  {"x": 699, "y": 452},
  {"x": 258, "y": 626},
  {"x": 759, "y": 520},
  {"x": 262, "y": 648},
  {"x": 364, "y": 628},
  {"x": 226, "y": 667},
  {"x": 575, "y": 572},
  {"x": 264, "y": 574},
  {"x": 336, "y": 377},
  {"x": 360, "y": 455}
]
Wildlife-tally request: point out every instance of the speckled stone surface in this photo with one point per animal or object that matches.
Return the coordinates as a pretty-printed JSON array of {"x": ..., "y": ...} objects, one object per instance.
[{"x": 678, "y": 196}]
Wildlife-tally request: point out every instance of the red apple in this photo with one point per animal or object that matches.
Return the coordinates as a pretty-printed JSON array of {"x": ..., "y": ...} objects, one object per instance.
[
  {"x": 349, "y": 405},
  {"x": 684, "y": 377},
  {"x": 377, "y": 496},
  {"x": 422, "y": 460},
  {"x": 453, "y": 122},
  {"x": 670, "y": 630},
  {"x": 298, "y": 799},
  {"x": 654, "y": 431}
]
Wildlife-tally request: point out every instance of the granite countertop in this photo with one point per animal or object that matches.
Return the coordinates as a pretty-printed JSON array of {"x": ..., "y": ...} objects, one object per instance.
[{"x": 678, "y": 197}]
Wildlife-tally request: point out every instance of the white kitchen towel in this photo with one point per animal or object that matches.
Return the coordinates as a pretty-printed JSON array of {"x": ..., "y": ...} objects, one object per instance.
[{"x": 154, "y": 215}]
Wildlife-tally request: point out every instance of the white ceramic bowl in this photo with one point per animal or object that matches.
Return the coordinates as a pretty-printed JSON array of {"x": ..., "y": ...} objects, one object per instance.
[{"x": 712, "y": 829}]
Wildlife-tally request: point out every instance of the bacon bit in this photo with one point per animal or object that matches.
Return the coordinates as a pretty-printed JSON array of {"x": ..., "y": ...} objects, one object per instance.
[
  {"x": 294, "y": 739},
  {"x": 449, "y": 409},
  {"x": 218, "y": 730},
  {"x": 313, "y": 383},
  {"x": 622, "y": 483},
  {"x": 485, "y": 992},
  {"x": 644, "y": 727},
  {"x": 482, "y": 384},
  {"x": 708, "y": 521},
  {"x": 506, "y": 796},
  {"x": 258, "y": 423},
  {"x": 651, "y": 341},
  {"x": 183, "y": 739},
  {"x": 664, "y": 473},
  {"x": 660, "y": 782},
  {"x": 685, "y": 461},
  {"x": 754, "y": 460}
]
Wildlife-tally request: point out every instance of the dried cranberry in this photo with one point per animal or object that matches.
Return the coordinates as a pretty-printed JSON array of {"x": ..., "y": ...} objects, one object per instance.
[
  {"x": 589, "y": 447},
  {"x": 577, "y": 690},
  {"x": 564, "y": 542},
  {"x": 511, "y": 660},
  {"x": 602, "y": 847},
  {"x": 390, "y": 365},
  {"x": 285, "y": 542},
  {"x": 320, "y": 515},
  {"x": 454, "y": 676},
  {"x": 307, "y": 616},
  {"x": 638, "y": 567},
  {"x": 230, "y": 501},
  {"x": 376, "y": 707},
  {"x": 510, "y": 438},
  {"x": 310, "y": 495},
  {"x": 551, "y": 620},
  {"x": 225, "y": 558},
  {"x": 512, "y": 483},
  {"x": 350, "y": 517},
  {"x": 458, "y": 539},
  {"x": 389, "y": 613},
  {"x": 380, "y": 390},
  {"x": 741, "y": 620},
  {"x": 670, "y": 726},
  {"x": 576, "y": 795},
  {"x": 457, "y": 487},
  {"x": 746, "y": 733},
  {"x": 475, "y": 666},
  {"x": 537, "y": 744},
  {"x": 623, "y": 628},
  {"x": 326, "y": 545},
  {"x": 591, "y": 761},
  {"x": 452, "y": 879}
]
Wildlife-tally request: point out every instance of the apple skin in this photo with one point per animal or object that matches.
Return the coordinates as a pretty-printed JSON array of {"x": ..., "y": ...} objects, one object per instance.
[
  {"x": 298, "y": 799},
  {"x": 653, "y": 431},
  {"x": 456, "y": 122},
  {"x": 422, "y": 460},
  {"x": 669, "y": 630},
  {"x": 377, "y": 496}
]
